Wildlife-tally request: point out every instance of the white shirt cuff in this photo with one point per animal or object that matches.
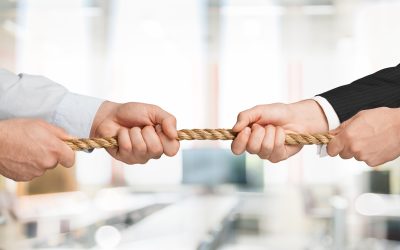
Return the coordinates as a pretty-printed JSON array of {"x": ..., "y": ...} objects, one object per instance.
[
  {"x": 331, "y": 117},
  {"x": 76, "y": 113},
  {"x": 330, "y": 113}
]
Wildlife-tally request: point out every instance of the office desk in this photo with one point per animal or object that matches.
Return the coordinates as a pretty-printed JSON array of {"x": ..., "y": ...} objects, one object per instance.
[
  {"x": 186, "y": 224},
  {"x": 56, "y": 220}
]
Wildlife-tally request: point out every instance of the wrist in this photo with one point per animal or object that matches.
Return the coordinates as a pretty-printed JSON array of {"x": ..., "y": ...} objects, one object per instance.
[
  {"x": 310, "y": 114},
  {"x": 105, "y": 111}
]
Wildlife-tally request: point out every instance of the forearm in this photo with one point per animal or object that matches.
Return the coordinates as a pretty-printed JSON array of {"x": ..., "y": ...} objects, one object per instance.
[
  {"x": 28, "y": 96},
  {"x": 381, "y": 89}
]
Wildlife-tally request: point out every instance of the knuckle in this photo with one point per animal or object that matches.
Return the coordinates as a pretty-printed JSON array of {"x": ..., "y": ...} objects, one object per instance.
[
  {"x": 251, "y": 149},
  {"x": 266, "y": 147},
  {"x": 128, "y": 161},
  {"x": 274, "y": 160},
  {"x": 26, "y": 178},
  {"x": 157, "y": 157},
  {"x": 354, "y": 148},
  {"x": 159, "y": 151},
  {"x": 133, "y": 162},
  {"x": 241, "y": 115},
  {"x": 362, "y": 157},
  {"x": 262, "y": 156},
  {"x": 18, "y": 178},
  {"x": 48, "y": 162},
  {"x": 371, "y": 163},
  {"x": 156, "y": 150},
  {"x": 278, "y": 159},
  {"x": 38, "y": 173},
  {"x": 344, "y": 155},
  {"x": 143, "y": 161},
  {"x": 141, "y": 149},
  {"x": 124, "y": 147}
]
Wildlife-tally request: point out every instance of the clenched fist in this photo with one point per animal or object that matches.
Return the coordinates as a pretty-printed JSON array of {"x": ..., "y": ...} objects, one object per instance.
[
  {"x": 144, "y": 131},
  {"x": 262, "y": 129},
  {"x": 30, "y": 147},
  {"x": 372, "y": 136}
]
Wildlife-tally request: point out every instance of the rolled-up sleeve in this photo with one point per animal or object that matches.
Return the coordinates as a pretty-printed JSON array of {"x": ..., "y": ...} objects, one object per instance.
[{"x": 30, "y": 96}]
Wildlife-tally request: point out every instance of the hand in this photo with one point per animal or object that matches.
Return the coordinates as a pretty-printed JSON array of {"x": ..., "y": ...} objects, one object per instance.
[
  {"x": 144, "y": 131},
  {"x": 372, "y": 136},
  {"x": 30, "y": 147},
  {"x": 269, "y": 124}
]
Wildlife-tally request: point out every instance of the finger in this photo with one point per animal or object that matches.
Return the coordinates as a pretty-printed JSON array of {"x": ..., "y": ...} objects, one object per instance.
[
  {"x": 279, "y": 152},
  {"x": 335, "y": 146},
  {"x": 346, "y": 154},
  {"x": 124, "y": 143},
  {"x": 66, "y": 156},
  {"x": 170, "y": 146},
  {"x": 153, "y": 143},
  {"x": 169, "y": 128},
  {"x": 255, "y": 140},
  {"x": 239, "y": 144},
  {"x": 167, "y": 121},
  {"x": 267, "y": 145},
  {"x": 37, "y": 173},
  {"x": 139, "y": 147},
  {"x": 245, "y": 118}
]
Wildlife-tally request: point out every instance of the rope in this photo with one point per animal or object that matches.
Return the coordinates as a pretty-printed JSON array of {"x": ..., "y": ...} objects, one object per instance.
[{"x": 198, "y": 134}]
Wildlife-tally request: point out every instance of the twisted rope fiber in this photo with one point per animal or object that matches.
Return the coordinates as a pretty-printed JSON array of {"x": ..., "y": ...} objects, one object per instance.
[{"x": 198, "y": 134}]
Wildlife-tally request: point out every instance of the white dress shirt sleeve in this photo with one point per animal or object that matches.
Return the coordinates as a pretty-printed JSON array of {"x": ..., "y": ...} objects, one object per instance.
[
  {"x": 331, "y": 117},
  {"x": 29, "y": 96}
]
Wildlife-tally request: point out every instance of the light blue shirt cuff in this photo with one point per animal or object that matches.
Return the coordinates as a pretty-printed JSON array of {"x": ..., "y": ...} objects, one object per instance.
[{"x": 75, "y": 113}]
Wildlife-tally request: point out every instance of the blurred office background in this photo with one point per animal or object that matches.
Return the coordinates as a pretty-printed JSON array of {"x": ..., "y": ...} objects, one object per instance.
[{"x": 204, "y": 61}]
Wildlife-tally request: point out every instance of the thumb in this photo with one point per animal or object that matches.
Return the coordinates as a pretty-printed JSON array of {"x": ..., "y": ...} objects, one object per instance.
[
  {"x": 246, "y": 118},
  {"x": 341, "y": 127},
  {"x": 335, "y": 131},
  {"x": 264, "y": 115},
  {"x": 167, "y": 122}
]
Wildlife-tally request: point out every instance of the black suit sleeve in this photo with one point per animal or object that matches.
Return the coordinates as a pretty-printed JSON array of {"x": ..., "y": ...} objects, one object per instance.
[{"x": 381, "y": 89}]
